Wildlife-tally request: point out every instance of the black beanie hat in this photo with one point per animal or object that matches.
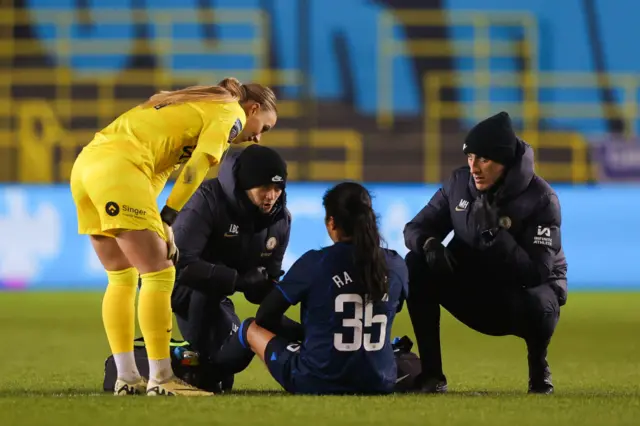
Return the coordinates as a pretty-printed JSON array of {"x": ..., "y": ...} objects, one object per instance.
[
  {"x": 493, "y": 139},
  {"x": 259, "y": 165}
]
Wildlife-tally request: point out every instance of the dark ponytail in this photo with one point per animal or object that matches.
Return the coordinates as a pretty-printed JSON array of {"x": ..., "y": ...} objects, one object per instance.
[{"x": 349, "y": 204}]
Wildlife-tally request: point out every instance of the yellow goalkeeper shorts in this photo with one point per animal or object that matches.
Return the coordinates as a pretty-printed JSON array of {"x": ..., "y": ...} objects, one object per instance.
[{"x": 112, "y": 194}]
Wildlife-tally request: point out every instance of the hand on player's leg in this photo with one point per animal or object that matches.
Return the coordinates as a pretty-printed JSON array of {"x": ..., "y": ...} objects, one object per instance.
[{"x": 173, "y": 253}]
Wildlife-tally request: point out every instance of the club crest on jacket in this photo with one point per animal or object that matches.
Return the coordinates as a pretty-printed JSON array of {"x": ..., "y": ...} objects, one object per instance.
[{"x": 271, "y": 243}]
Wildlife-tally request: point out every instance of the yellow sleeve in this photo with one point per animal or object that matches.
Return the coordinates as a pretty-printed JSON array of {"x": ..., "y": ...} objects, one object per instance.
[
  {"x": 218, "y": 134},
  {"x": 159, "y": 181},
  {"x": 188, "y": 181}
]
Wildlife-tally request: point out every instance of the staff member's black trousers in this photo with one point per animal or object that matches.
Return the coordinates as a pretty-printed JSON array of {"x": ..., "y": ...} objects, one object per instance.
[
  {"x": 489, "y": 308},
  {"x": 210, "y": 324}
]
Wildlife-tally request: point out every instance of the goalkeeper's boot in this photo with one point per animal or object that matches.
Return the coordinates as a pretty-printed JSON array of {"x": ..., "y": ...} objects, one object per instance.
[
  {"x": 123, "y": 388},
  {"x": 174, "y": 387}
]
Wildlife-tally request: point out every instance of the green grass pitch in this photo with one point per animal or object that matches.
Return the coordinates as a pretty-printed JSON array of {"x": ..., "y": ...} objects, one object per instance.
[{"x": 53, "y": 351}]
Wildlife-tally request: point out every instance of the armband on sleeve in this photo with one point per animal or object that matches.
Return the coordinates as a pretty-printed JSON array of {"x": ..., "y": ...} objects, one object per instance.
[
  {"x": 191, "y": 176},
  {"x": 168, "y": 215}
]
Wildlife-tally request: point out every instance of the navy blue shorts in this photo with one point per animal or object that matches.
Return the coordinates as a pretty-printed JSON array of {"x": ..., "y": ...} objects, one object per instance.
[{"x": 281, "y": 357}]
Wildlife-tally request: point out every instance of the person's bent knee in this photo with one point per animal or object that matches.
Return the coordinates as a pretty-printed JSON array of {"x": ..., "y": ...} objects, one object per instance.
[
  {"x": 416, "y": 266},
  {"x": 541, "y": 300},
  {"x": 180, "y": 299},
  {"x": 145, "y": 249},
  {"x": 110, "y": 255},
  {"x": 419, "y": 272},
  {"x": 155, "y": 265},
  {"x": 543, "y": 311},
  {"x": 414, "y": 260}
]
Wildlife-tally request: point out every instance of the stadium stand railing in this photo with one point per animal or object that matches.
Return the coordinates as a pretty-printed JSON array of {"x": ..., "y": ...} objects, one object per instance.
[
  {"x": 527, "y": 84},
  {"x": 44, "y": 123},
  {"x": 47, "y": 142}
]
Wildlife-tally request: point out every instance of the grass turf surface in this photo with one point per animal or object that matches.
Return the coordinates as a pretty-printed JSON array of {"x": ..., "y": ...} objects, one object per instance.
[{"x": 54, "y": 350}]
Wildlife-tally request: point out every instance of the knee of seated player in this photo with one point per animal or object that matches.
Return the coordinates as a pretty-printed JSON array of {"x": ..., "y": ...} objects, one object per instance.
[
  {"x": 145, "y": 249},
  {"x": 258, "y": 338}
]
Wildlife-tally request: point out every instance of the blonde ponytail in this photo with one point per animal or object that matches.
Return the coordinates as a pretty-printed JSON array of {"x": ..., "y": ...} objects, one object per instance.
[
  {"x": 228, "y": 90},
  {"x": 233, "y": 86}
]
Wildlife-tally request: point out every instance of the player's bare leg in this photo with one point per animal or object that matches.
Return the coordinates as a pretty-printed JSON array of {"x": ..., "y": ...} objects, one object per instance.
[
  {"x": 147, "y": 252},
  {"x": 118, "y": 313},
  {"x": 258, "y": 338}
]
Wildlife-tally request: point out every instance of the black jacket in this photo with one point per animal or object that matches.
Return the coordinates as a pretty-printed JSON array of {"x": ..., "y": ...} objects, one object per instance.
[
  {"x": 221, "y": 234},
  {"x": 527, "y": 253}
]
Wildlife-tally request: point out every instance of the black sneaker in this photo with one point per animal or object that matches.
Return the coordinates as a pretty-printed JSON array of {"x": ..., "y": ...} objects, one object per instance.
[
  {"x": 540, "y": 381},
  {"x": 431, "y": 384}
]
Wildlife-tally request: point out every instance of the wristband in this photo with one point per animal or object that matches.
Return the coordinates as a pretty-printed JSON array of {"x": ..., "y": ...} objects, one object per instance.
[
  {"x": 489, "y": 235},
  {"x": 168, "y": 215},
  {"x": 428, "y": 244}
]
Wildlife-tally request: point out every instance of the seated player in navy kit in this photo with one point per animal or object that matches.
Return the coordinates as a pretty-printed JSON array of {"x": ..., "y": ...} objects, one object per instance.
[{"x": 349, "y": 294}]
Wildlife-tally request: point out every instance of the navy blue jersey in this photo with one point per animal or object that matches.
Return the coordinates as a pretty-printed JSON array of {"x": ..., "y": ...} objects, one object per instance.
[{"x": 347, "y": 340}]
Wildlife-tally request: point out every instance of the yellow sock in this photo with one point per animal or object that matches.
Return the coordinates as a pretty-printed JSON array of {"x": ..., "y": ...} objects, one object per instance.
[
  {"x": 154, "y": 311},
  {"x": 118, "y": 309}
]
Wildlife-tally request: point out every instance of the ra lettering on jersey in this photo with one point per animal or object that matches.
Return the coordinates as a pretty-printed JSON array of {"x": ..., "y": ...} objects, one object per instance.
[{"x": 342, "y": 279}]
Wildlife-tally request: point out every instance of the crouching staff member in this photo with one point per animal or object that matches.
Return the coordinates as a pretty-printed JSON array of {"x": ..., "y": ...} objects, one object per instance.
[
  {"x": 232, "y": 236},
  {"x": 504, "y": 272},
  {"x": 350, "y": 293}
]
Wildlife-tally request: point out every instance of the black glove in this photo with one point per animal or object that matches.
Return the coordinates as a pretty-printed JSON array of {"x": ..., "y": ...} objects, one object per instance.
[
  {"x": 255, "y": 284},
  {"x": 168, "y": 216},
  {"x": 276, "y": 277},
  {"x": 437, "y": 256},
  {"x": 486, "y": 216}
]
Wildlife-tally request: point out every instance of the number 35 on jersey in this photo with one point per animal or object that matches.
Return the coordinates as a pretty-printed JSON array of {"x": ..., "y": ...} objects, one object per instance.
[{"x": 362, "y": 318}]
